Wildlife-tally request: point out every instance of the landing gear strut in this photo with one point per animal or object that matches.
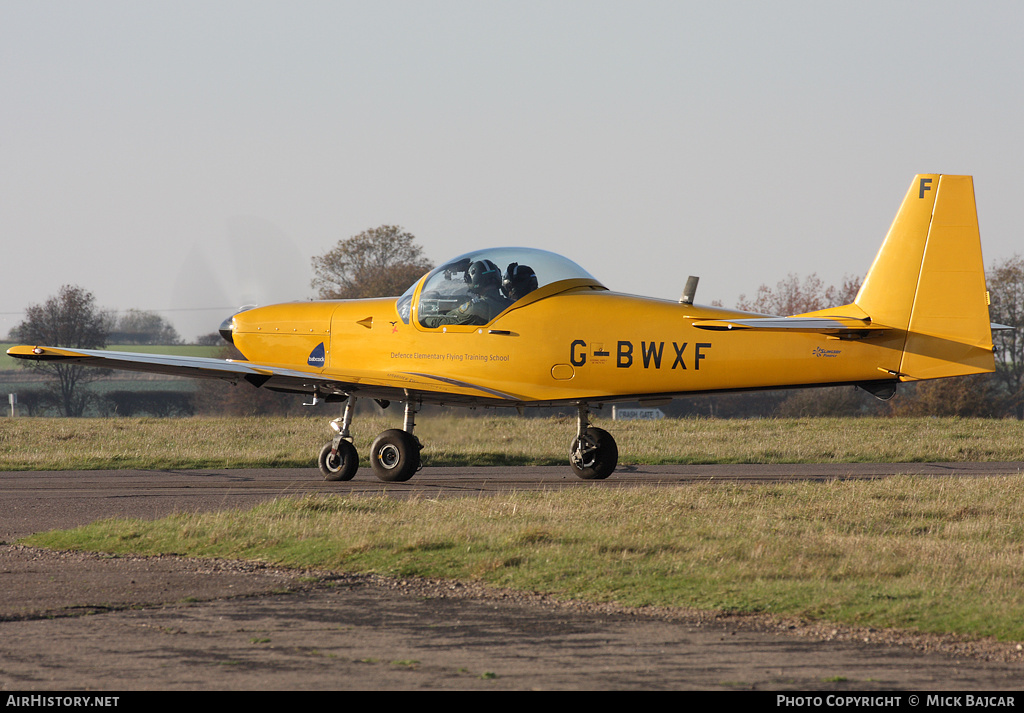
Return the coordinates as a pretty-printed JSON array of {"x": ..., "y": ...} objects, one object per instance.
[
  {"x": 394, "y": 455},
  {"x": 593, "y": 454},
  {"x": 338, "y": 459}
]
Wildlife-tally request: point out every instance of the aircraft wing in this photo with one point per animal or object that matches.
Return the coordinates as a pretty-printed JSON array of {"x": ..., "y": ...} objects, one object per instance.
[
  {"x": 817, "y": 325},
  {"x": 172, "y": 365},
  {"x": 394, "y": 386}
]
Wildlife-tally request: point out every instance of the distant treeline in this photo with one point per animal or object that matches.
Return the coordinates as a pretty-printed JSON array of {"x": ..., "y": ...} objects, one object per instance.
[{"x": 972, "y": 396}]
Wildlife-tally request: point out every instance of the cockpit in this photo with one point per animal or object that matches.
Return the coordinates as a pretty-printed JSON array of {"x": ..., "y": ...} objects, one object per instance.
[{"x": 474, "y": 288}]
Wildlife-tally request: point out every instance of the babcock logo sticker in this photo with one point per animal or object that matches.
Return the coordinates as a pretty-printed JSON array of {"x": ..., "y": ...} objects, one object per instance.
[{"x": 317, "y": 356}]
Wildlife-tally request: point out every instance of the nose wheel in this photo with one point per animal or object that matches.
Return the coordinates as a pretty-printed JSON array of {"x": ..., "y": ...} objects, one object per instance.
[{"x": 338, "y": 462}]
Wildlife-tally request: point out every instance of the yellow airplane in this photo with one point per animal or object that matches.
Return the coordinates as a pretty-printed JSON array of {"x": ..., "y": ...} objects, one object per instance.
[{"x": 521, "y": 327}]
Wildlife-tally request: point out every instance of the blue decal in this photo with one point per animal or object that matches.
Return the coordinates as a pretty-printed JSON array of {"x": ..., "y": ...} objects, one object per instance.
[{"x": 317, "y": 356}]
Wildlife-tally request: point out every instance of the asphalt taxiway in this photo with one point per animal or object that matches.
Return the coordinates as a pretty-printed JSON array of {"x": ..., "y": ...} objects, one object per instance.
[
  {"x": 45, "y": 500},
  {"x": 75, "y": 621}
]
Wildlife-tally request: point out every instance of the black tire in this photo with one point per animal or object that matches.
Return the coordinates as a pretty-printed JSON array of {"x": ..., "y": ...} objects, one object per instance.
[
  {"x": 341, "y": 466},
  {"x": 599, "y": 460},
  {"x": 395, "y": 456}
]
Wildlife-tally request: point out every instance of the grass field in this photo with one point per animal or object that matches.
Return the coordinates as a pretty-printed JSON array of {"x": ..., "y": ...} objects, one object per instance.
[
  {"x": 939, "y": 555},
  {"x": 63, "y": 444}
]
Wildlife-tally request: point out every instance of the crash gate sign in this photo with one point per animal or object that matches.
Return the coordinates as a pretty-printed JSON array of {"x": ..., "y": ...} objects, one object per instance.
[{"x": 636, "y": 414}]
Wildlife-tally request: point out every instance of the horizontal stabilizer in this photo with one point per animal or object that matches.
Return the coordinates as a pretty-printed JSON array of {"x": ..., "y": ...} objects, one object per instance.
[{"x": 817, "y": 325}]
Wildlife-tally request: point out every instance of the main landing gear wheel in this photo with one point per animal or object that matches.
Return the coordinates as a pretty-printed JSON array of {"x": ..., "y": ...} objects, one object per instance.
[
  {"x": 341, "y": 465},
  {"x": 596, "y": 457},
  {"x": 395, "y": 455}
]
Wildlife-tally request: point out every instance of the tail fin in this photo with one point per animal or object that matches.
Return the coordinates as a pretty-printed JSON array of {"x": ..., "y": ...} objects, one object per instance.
[{"x": 928, "y": 280}]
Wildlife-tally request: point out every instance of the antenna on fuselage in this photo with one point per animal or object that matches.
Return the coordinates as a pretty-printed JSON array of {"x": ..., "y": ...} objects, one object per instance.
[{"x": 689, "y": 291}]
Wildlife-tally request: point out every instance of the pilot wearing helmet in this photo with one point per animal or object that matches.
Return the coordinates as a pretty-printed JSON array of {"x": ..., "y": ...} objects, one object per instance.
[
  {"x": 484, "y": 280},
  {"x": 519, "y": 281}
]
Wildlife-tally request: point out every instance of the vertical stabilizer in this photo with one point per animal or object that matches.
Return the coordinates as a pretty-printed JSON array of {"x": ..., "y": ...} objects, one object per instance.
[{"x": 929, "y": 280}]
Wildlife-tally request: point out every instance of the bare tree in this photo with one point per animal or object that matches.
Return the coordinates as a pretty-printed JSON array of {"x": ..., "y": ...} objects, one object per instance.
[
  {"x": 378, "y": 262},
  {"x": 974, "y": 396},
  {"x": 1006, "y": 290},
  {"x": 69, "y": 319},
  {"x": 793, "y": 296},
  {"x": 796, "y": 296}
]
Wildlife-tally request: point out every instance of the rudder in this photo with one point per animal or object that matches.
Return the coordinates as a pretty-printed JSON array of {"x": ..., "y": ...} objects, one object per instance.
[{"x": 928, "y": 279}]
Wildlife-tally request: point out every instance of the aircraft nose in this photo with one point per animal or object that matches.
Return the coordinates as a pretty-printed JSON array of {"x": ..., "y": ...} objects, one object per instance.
[{"x": 227, "y": 329}]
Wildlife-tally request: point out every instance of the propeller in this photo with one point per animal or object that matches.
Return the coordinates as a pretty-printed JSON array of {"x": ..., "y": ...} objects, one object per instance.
[{"x": 253, "y": 262}]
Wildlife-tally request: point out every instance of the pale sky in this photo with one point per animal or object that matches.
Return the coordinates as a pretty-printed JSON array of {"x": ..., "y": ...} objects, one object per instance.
[{"x": 190, "y": 157}]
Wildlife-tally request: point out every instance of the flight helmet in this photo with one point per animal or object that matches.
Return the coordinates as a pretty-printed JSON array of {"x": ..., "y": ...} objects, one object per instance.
[
  {"x": 483, "y": 274},
  {"x": 519, "y": 281}
]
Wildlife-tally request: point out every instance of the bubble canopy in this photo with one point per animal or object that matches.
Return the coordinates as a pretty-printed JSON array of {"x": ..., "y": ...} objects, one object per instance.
[{"x": 446, "y": 287}]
